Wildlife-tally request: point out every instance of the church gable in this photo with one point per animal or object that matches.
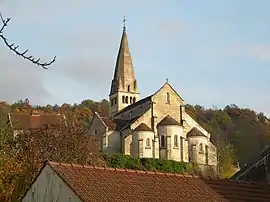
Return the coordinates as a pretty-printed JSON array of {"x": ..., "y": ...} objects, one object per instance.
[
  {"x": 167, "y": 102},
  {"x": 97, "y": 125}
]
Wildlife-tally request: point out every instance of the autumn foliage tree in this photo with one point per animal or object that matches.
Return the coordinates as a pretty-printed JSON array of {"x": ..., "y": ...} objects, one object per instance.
[{"x": 32, "y": 148}]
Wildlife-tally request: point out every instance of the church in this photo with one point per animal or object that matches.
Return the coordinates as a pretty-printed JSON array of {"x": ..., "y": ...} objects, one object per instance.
[{"x": 156, "y": 126}]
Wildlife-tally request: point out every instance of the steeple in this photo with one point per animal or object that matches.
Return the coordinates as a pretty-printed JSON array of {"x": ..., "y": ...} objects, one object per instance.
[
  {"x": 124, "y": 83},
  {"x": 124, "y": 72}
]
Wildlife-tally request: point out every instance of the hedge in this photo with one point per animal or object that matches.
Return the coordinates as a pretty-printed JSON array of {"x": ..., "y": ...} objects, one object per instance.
[{"x": 151, "y": 164}]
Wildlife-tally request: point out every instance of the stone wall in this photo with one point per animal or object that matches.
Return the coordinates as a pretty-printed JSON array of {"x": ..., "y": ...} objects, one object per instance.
[
  {"x": 112, "y": 143},
  {"x": 144, "y": 150},
  {"x": 119, "y": 105},
  {"x": 162, "y": 108},
  {"x": 97, "y": 126}
]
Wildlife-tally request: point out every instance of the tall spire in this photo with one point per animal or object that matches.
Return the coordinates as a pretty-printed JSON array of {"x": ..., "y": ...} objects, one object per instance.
[
  {"x": 124, "y": 89},
  {"x": 124, "y": 77}
]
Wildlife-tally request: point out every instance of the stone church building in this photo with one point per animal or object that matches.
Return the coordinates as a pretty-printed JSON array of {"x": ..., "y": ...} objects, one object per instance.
[{"x": 153, "y": 127}]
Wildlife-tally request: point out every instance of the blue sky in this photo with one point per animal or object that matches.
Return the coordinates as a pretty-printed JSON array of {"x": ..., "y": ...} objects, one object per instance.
[{"x": 214, "y": 52}]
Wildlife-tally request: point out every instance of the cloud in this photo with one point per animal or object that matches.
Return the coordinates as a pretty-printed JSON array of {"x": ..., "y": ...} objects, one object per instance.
[
  {"x": 19, "y": 79},
  {"x": 91, "y": 72},
  {"x": 261, "y": 52},
  {"x": 170, "y": 29}
]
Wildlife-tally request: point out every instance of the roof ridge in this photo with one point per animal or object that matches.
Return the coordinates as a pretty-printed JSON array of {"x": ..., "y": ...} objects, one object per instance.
[{"x": 182, "y": 174}]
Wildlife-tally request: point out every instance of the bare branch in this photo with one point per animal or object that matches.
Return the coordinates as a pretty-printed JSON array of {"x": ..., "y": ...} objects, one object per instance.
[{"x": 13, "y": 48}]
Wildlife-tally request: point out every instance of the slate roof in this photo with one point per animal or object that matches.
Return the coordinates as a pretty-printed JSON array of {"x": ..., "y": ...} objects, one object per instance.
[
  {"x": 109, "y": 184},
  {"x": 194, "y": 132},
  {"x": 168, "y": 120},
  {"x": 146, "y": 99},
  {"x": 27, "y": 121},
  {"x": 142, "y": 127},
  {"x": 114, "y": 124}
]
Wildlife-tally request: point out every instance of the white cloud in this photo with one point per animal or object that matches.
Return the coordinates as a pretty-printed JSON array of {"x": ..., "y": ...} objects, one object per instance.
[
  {"x": 261, "y": 52},
  {"x": 19, "y": 79}
]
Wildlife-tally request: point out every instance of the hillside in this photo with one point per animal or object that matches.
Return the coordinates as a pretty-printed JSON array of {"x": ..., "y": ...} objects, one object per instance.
[
  {"x": 240, "y": 135},
  {"x": 245, "y": 131}
]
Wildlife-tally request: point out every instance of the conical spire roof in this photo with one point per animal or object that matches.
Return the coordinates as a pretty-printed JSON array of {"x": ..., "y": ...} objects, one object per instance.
[{"x": 124, "y": 72}]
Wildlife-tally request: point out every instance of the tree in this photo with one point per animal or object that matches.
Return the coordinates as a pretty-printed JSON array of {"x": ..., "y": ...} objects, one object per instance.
[
  {"x": 64, "y": 144},
  {"x": 9, "y": 167},
  {"x": 14, "y": 47}
]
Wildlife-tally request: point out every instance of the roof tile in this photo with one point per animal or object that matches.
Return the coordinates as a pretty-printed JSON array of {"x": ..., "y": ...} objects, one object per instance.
[
  {"x": 102, "y": 184},
  {"x": 27, "y": 121}
]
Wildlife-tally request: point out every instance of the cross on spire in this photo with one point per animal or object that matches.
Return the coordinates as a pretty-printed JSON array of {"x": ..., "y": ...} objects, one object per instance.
[
  {"x": 167, "y": 80},
  {"x": 124, "y": 21}
]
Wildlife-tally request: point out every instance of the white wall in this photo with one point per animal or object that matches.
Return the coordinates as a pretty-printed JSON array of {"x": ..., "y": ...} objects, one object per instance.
[
  {"x": 170, "y": 151},
  {"x": 139, "y": 147},
  {"x": 49, "y": 187},
  {"x": 112, "y": 142},
  {"x": 200, "y": 155}
]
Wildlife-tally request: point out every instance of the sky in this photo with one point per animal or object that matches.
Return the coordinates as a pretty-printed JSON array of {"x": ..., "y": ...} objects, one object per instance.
[{"x": 213, "y": 52}]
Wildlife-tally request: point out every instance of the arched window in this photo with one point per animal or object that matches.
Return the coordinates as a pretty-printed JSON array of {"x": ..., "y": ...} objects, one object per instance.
[
  {"x": 168, "y": 98},
  {"x": 128, "y": 88},
  {"x": 201, "y": 147},
  {"x": 134, "y": 99},
  {"x": 96, "y": 132},
  {"x": 162, "y": 141},
  {"x": 126, "y": 99},
  {"x": 123, "y": 99},
  {"x": 135, "y": 85},
  {"x": 175, "y": 141},
  {"x": 130, "y": 100},
  {"x": 148, "y": 143}
]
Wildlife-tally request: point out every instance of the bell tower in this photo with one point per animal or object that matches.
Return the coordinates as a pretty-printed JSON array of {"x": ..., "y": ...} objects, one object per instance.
[{"x": 124, "y": 88}]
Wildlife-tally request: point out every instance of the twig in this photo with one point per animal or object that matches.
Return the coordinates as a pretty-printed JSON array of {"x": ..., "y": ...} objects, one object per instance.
[{"x": 14, "y": 48}]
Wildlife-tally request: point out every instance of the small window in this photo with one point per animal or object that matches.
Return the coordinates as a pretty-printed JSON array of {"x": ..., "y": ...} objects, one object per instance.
[
  {"x": 115, "y": 100},
  {"x": 135, "y": 85},
  {"x": 176, "y": 141},
  {"x": 96, "y": 132},
  {"x": 201, "y": 147},
  {"x": 134, "y": 99},
  {"x": 168, "y": 98},
  {"x": 128, "y": 88},
  {"x": 111, "y": 102},
  {"x": 104, "y": 140},
  {"x": 148, "y": 143},
  {"x": 162, "y": 141},
  {"x": 126, "y": 100},
  {"x": 123, "y": 99},
  {"x": 130, "y": 100}
]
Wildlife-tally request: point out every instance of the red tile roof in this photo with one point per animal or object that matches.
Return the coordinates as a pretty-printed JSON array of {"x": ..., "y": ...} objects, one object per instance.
[
  {"x": 92, "y": 183},
  {"x": 109, "y": 184},
  {"x": 27, "y": 121}
]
